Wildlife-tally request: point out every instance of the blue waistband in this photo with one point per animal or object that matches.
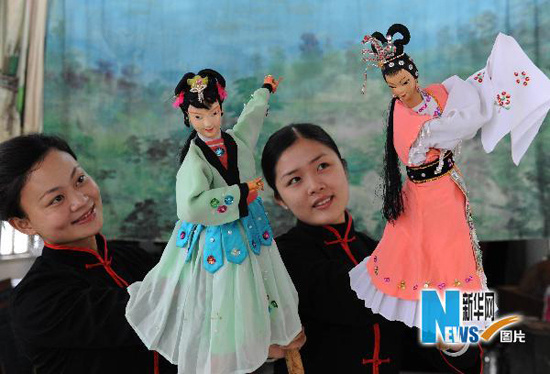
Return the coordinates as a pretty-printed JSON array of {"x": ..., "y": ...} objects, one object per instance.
[{"x": 227, "y": 238}]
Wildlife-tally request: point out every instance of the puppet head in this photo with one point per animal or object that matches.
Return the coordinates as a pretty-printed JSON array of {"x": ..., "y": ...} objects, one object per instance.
[
  {"x": 199, "y": 90},
  {"x": 387, "y": 53}
]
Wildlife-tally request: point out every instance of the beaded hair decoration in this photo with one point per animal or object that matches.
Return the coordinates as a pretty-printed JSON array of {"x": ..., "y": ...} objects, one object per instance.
[
  {"x": 198, "y": 84},
  {"x": 385, "y": 50}
]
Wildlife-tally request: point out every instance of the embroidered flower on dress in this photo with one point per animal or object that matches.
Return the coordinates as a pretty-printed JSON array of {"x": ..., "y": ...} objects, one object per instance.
[
  {"x": 522, "y": 78},
  {"x": 503, "y": 100},
  {"x": 479, "y": 76}
]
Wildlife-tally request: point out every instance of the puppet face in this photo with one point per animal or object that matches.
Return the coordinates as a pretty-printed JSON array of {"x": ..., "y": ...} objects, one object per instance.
[
  {"x": 312, "y": 183},
  {"x": 61, "y": 202},
  {"x": 404, "y": 86},
  {"x": 207, "y": 122}
]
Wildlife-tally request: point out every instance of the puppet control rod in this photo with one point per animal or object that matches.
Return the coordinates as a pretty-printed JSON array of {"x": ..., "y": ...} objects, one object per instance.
[{"x": 294, "y": 362}]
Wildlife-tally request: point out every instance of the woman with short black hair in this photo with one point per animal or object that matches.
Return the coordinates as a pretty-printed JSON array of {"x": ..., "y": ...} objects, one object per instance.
[{"x": 68, "y": 311}]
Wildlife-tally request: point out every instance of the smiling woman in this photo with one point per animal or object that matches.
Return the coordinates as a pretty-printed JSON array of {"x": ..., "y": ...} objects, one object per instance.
[
  {"x": 61, "y": 202},
  {"x": 68, "y": 311}
]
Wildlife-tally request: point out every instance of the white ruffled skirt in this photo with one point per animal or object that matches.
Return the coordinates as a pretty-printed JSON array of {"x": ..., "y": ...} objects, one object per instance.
[{"x": 391, "y": 308}]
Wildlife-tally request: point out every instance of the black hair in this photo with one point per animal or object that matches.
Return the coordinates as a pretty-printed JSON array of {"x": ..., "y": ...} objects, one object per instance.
[
  {"x": 210, "y": 95},
  {"x": 285, "y": 137},
  {"x": 392, "y": 183},
  {"x": 393, "y": 205},
  {"x": 400, "y": 61},
  {"x": 18, "y": 158}
]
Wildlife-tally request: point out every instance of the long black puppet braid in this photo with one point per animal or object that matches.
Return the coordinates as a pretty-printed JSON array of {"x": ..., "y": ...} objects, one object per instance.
[{"x": 392, "y": 186}]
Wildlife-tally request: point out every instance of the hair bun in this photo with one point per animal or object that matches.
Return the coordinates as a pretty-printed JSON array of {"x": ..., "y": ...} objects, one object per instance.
[
  {"x": 211, "y": 73},
  {"x": 381, "y": 38},
  {"x": 401, "y": 29},
  {"x": 182, "y": 84}
]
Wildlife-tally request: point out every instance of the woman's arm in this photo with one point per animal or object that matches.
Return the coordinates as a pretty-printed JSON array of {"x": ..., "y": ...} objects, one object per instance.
[{"x": 58, "y": 310}]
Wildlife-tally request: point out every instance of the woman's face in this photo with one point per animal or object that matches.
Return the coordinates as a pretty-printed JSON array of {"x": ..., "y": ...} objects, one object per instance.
[
  {"x": 207, "y": 122},
  {"x": 61, "y": 202},
  {"x": 312, "y": 183}
]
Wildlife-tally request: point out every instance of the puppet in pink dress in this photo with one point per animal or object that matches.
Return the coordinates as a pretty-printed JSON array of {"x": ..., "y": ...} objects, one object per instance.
[{"x": 430, "y": 241}]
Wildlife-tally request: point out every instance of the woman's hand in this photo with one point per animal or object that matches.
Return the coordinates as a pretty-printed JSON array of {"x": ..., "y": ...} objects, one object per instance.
[
  {"x": 274, "y": 83},
  {"x": 255, "y": 185},
  {"x": 278, "y": 351},
  {"x": 449, "y": 347}
]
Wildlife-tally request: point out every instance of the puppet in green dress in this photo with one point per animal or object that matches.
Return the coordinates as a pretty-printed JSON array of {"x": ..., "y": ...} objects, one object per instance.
[{"x": 220, "y": 295}]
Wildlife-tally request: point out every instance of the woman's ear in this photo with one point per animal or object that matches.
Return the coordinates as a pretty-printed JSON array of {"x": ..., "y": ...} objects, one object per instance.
[
  {"x": 280, "y": 201},
  {"x": 22, "y": 225}
]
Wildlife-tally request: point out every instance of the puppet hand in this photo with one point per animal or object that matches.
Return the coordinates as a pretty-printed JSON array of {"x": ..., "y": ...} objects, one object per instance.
[
  {"x": 255, "y": 185},
  {"x": 277, "y": 351},
  {"x": 273, "y": 82}
]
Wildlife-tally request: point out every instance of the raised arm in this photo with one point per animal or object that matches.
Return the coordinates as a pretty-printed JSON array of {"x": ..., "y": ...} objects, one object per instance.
[{"x": 250, "y": 122}]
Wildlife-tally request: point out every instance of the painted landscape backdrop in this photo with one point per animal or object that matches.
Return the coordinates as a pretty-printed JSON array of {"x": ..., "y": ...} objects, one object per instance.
[{"x": 111, "y": 67}]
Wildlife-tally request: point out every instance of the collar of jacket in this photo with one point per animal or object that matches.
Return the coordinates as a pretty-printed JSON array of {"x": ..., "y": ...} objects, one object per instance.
[{"x": 324, "y": 234}]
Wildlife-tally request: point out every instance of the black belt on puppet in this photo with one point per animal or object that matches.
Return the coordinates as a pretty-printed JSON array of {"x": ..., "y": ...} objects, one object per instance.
[{"x": 429, "y": 172}]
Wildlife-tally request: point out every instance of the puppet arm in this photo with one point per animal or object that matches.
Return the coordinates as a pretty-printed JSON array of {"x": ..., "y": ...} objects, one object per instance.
[
  {"x": 465, "y": 113},
  {"x": 250, "y": 122},
  {"x": 199, "y": 203}
]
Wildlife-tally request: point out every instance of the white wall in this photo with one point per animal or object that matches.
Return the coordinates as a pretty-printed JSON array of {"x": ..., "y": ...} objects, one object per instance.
[{"x": 15, "y": 268}]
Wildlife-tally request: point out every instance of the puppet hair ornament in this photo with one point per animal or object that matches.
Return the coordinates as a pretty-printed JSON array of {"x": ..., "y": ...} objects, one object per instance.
[
  {"x": 385, "y": 50},
  {"x": 221, "y": 91},
  {"x": 198, "y": 84},
  {"x": 179, "y": 100}
]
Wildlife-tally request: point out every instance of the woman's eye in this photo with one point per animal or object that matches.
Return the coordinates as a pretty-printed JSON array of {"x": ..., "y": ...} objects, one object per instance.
[
  {"x": 81, "y": 179},
  {"x": 198, "y": 117},
  {"x": 57, "y": 199},
  {"x": 294, "y": 180},
  {"x": 322, "y": 166}
]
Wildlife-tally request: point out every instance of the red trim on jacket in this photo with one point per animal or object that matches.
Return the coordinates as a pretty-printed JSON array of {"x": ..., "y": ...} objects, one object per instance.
[
  {"x": 376, "y": 360},
  {"x": 343, "y": 241},
  {"x": 106, "y": 263}
]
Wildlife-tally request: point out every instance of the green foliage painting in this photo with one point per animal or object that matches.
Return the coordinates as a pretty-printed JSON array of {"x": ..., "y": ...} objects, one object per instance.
[{"x": 111, "y": 68}]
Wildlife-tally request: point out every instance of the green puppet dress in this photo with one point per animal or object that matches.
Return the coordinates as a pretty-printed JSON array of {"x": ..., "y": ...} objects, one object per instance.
[{"x": 220, "y": 295}]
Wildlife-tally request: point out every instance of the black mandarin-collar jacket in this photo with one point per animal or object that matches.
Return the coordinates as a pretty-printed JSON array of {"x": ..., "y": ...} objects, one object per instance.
[
  {"x": 69, "y": 317},
  {"x": 342, "y": 334}
]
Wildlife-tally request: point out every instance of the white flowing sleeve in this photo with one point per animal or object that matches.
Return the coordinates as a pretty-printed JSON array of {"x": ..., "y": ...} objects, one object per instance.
[
  {"x": 521, "y": 96},
  {"x": 509, "y": 95},
  {"x": 466, "y": 111}
]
